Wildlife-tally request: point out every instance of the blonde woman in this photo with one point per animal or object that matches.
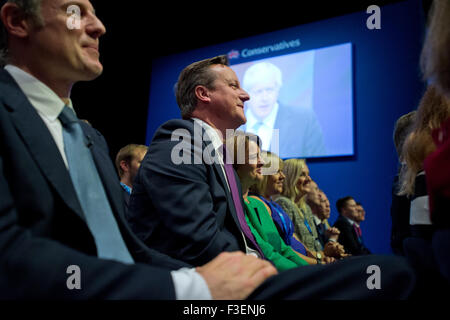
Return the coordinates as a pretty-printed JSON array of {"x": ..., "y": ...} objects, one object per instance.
[
  {"x": 295, "y": 187},
  {"x": 433, "y": 109},
  {"x": 270, "y": 186}
]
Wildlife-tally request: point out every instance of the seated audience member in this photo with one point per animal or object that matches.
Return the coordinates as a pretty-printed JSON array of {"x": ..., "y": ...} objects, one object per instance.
[
  {"x": 326, "y": 209},
  {"x": 435, "y": 64},
  {"x": 257, "y": 213},
  {"x": 327, "y": 236},
  {"x": 361, "y": 213},
  {"x": 350, "y": 236},
  {"x": 295, "y": 187},
  {"x": 433, "y": 109},
  {"x": 400, "y": 205},
  {"x": 128, "y": 161},
  {"x": 270, "y": 186}
]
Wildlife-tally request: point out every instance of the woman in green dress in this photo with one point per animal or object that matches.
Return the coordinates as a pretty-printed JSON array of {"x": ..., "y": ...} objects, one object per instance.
[{"x": 257, "y": 213}]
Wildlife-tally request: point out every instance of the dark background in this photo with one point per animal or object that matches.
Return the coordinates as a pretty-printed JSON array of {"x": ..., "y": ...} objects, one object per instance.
[{"x": 116, "y": 103}]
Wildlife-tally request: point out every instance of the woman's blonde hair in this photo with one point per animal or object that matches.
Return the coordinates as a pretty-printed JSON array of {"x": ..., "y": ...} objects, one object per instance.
[
  {"x": 434, "y": 108},
  {"x": 434, "y": 60},
  {"x": 292, "y": 169},
  {"x": 269, "y": 158}
]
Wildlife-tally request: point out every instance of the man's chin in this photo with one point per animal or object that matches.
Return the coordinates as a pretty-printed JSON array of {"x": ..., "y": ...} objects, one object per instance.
[{"x": 92, "y": 72}]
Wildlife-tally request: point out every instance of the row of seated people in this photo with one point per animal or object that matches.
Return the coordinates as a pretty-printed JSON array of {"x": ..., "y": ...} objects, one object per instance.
[
  {"x": 61, "y": 202},
  {"x": 284, "y": 208}
]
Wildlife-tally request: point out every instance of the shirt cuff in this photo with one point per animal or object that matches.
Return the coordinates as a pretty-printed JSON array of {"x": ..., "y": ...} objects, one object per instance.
[{"x": 190, "y": 285}]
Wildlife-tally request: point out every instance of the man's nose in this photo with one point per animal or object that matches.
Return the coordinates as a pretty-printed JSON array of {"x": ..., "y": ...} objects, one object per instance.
[
  {"x": 95, "y": 27},
  {"x": 244, "y": 95}
]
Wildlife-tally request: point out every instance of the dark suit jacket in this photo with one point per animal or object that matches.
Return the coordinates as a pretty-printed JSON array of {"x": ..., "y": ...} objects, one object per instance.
[
  {"x": 184, "y": 210},
  {"x": 300, "y": 134},
  {"x": 348, "y": 238},
  {"x": 42, "y": 228},
  {"x": 400, "y": 207},
  {"x": 321, "y": 234}
]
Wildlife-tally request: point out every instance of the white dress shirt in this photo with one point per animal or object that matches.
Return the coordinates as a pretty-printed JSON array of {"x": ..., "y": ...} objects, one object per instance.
[
  {"x": 419, "y": 213},
  {"x": 189, "y": 285}
]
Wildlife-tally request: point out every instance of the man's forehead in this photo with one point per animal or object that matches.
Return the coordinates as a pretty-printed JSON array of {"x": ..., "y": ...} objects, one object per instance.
[
  {"x": 224, "y": 71},
  {"x": 86, "y": 4}
]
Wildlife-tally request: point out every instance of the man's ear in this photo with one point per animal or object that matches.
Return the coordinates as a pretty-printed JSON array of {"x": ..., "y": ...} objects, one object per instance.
[
  {"x": 202, "y": 93},
  {"x": 15, "y": 21},
  {"x": 124, "y": 166}
]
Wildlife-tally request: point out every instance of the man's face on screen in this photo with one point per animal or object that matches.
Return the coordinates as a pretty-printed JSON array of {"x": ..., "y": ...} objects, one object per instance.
[{"x": 263, "y": 97}]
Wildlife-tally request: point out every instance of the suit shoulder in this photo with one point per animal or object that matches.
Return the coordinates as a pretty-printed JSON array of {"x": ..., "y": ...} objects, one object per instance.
[
  {"x": 341, "y": 223},
  {"x": 174, "y": 124}
]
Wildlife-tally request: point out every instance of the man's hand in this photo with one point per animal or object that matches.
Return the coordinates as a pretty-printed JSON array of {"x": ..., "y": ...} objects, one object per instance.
[
  {"x": 332, "y": 233},
  {"x": 334, "y": 249},
  {"x": 327, "y": 260},
  {"x": 234, "y": 275}
]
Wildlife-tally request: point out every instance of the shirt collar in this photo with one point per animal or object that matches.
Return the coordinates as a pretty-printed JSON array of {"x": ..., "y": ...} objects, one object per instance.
[
  {"x": 41, "y": 97},
  {"x": 317, "y": 220},
  {"x": 350, "y": 221}
]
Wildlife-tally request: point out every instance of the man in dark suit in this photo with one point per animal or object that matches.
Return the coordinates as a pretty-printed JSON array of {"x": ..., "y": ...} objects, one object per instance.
[
  {"x": 350, "y": 233},
  {"x": 185, "y": 200},
  {"x": 299, "y": 132},
  {"x": 55, "y": 241}
]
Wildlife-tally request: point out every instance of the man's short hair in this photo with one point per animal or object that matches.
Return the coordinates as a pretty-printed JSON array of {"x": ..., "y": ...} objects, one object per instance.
[
  {"x": 342, "y": 203},
  {"x": 195, "y": 74},
  {"x": 31, "y": 9},
  {"x": 402, "y": 127},
  {"x": 127, "y": 153}
]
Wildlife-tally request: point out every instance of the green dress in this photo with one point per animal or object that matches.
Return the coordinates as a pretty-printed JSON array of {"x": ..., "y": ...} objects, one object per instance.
[{"x": 258, "y": 217}]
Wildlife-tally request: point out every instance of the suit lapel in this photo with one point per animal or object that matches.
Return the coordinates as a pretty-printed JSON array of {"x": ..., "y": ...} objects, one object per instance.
[
  {"x": 40, "y": 143},
  {"x": 220, "y": 171}
]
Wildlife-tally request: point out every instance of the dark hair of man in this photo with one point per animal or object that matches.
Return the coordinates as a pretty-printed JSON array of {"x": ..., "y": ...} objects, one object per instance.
[
  {"x": 342, "y": 203},
  {"x": 196, "y": 74}
]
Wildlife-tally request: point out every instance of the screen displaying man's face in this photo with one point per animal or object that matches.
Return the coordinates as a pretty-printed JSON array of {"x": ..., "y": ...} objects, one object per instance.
[{"x": 263, "y": 97}]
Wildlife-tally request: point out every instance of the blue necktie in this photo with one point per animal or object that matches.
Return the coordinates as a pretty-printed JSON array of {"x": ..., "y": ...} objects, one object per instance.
[{"x": 90, "y": 191}]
